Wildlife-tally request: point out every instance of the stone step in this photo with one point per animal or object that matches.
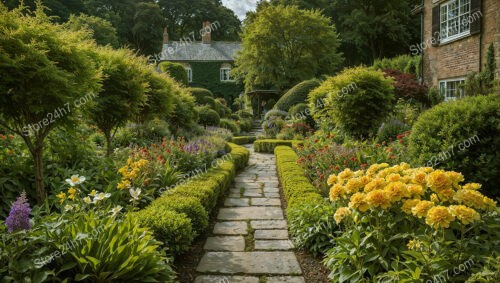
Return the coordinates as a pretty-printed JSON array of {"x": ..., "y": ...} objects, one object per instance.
[
  {"x": 250, "y": 213},
  {"x": 231, "y": 228},
  {"x": 225, "y": 243}
]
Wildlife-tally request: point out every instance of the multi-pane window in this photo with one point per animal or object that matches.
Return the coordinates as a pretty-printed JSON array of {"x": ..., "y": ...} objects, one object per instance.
[
  {"x": 452, "y": 89},
  {"x": 225, "y": 75},
  {"x": 189, "y": 72},
  {"x": 454, "y": 19}
]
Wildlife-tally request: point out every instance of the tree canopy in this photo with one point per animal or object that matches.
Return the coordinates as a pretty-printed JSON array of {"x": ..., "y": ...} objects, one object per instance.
[
  {"x": 102, "y": 30},
  {"x": 284, "y": 45}
]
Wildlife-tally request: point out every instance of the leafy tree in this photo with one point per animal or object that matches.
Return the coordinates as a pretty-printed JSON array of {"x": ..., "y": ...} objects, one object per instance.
[
  {"x": 147, "y": 31},
  {"x": 60, "y": 9},
  {"x": 102, "y": 30},
  {"x": 285, "y": 45},
  {"x": 160, "y": 101},
  {"x": 186, "y": 17},
  {"x": 123, "y": 92},
  {"x": 44, "y": 69}
]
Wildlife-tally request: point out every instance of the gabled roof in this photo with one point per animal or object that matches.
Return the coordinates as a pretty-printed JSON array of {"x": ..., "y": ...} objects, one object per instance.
[{"x": 198, "y": 51}]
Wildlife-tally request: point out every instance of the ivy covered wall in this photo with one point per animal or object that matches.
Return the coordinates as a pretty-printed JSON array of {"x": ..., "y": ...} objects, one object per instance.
[{"x": 207, "y": 75}]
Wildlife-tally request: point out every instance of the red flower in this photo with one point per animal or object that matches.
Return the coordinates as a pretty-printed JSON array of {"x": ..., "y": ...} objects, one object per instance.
[
  {"x": 11, "y": 137},
  {"x": 392, "y": 156},
  {"x": 2, "y": 137}
]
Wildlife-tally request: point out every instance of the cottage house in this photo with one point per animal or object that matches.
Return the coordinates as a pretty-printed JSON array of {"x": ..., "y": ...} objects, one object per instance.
[{"x": 456, "y": 35}]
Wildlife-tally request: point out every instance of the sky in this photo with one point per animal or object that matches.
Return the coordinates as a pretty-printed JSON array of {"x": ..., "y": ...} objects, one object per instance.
[{"x": 240, "y": 7}]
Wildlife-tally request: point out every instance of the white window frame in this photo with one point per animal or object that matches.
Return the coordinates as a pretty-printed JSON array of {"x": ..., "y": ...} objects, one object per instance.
[
  {"x": 449, "y": 22},
  {"x": 189, "y": 74},
  {"x": 229, "y": 78},
  {"x": 444, "y": 85}
]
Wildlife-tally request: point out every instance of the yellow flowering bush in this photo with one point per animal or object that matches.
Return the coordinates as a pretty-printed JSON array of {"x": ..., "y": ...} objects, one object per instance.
[
  {"x": 133, "y": 174},
  {"x": 429, "y": 219}
]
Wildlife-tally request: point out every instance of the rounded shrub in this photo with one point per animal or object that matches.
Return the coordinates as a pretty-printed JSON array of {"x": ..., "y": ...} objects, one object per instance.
[
  {"x": 391, "y": 129},
  {"x": 463, "y": 136},
  {"x": 176, "y": 71},
  {"x": 301, "y": 112},
  {"x": 357, "y": 100},
  {"x": 230, "y": 125},
  {"x": 275, "y": 113},
  {"x": 297, "y": 94},
  {"x": 208, "y": 117},
  {"x": 203, "y": 96},
  {"x": 245, "y": 125},
  {"x": 184, "y": 115},
  {"x": 187, "y": 205}
]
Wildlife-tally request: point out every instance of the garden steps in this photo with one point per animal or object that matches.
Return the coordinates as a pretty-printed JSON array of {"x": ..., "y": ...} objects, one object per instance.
[{"x": 251, "y": 241}]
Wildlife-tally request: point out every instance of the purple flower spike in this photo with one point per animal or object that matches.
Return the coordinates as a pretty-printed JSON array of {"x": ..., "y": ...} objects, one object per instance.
[{"x": 19, "y": 216}]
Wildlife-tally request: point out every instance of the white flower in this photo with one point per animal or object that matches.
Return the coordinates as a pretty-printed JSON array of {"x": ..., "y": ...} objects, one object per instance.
[
  {"x": 101, "y": 196},
  {"x": 134, "y": 194},
  {"x": 87, "y": 200},
  {"x": 116, "y": 210},
  {"x": 75, "y": 180},
  {"x": 68, "y": 207}
]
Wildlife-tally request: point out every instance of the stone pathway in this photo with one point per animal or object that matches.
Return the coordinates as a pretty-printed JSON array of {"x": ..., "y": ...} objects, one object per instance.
[{"x": 251, "y": 242}]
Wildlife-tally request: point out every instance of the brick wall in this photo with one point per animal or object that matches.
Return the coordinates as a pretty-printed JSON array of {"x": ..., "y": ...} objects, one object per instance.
[{"x": 458, "y": 58}]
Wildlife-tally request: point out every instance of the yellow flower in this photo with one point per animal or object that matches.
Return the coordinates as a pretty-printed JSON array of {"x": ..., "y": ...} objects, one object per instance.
[
  {"x": 471, "y": 198},
  {"x": 92, "y": 193},
  {"x": 465, "y": 214},
  {"x": 359, "y": 173},
  {"x": 365, "y": 180},
  {"x": 421, "y": 208},
  {"x": 125, "y": 184},
  {"x": 341, "y": 213},
  {"x": 71, "y": 193},
  {"x": 336, "y": 192},
  {"x": 434, "y": 198},
  {"x": 415, "y": 191},
  {"x": 455, "y": 178},
  {"x": 87, "y": 200},
  {"x": 375, "y": 184},
  {"x": 408, "y": 205},
  {"x": 61, "y": 196},
  {"x": 332, "y": 180},
  {"x": 472, "y": 186},
  {"x": 393, "y": 177},
  {"x": 439, "y": 217},
  {"x": 489, "y": 204},
  {"x": 420, "y": 178},
  {"x": 446, "y": 194},
  {"x": 395, "y": 191},
  {"x": 345, "y": 175},
  {"x": 438, "y": 181},
  {"x": 415, "y": 245},
  {"x": 378, "y": 198},
  {"x": 358, "y": 202},
  {"x": 354, "y": 185},
  {"x": 384, "y": 173},
  {"x": 123, "y": 171}
]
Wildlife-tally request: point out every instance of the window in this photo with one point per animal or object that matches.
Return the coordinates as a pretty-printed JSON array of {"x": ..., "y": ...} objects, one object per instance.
[
  {"x": 452, "y": 89},
  {"x": 190, "y": 74},
  {"x": 224, "y": 75},
  {"x": 455, "y": 19}
]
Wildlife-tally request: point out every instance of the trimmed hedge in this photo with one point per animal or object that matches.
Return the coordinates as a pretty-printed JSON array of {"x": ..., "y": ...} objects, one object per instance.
[
  {"x": 244, "y": 139},
  {"x": 298, "y": 94},
  {"x": 268, "y": 146},
  {"x": 182, "y": 212},
  {"x": 176, "y": 71}
]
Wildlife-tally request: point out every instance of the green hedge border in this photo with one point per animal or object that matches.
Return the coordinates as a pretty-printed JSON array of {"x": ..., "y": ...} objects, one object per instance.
[
  {"x": 268, "y": 146},
  {"x": 244, "y": 140},
  {"x": 180, "y": 214}
]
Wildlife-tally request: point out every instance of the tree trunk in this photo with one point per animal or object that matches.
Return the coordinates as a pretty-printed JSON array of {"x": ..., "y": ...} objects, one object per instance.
[
  {"x": 107, "y": 134},
  {"x": 40, "y": 188}
]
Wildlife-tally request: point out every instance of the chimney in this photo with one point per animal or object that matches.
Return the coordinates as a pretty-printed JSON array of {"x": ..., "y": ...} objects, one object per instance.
[
  {"x": 165, "y": 35},
  {"x": 206, "y": 32}
]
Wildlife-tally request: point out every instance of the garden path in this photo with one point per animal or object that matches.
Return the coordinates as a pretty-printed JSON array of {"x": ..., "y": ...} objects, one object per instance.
[{"x": 251, "y": 242}]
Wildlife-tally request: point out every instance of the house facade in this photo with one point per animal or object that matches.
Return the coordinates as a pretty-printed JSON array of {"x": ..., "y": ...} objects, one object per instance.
[
  {"x": 456, "y": 35},
  {"x": 208, "y": 63}
]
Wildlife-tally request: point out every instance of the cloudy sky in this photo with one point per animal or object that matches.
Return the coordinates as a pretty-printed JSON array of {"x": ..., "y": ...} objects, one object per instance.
[{"x": 240, "y": 7}]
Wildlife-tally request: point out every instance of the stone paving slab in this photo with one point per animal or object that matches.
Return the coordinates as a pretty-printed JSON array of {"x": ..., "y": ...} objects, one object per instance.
[
  {"x": 237, "y": 202},
  {"x": 271, "y": 195},
  {"x": 268, "y": 224},
  {"x": 225, "y": 279},
  {"x": 250, "y": 263},
  {"x": 250, "y": 213},
  {"x": 225, "y": 243},
  {"x": 231, "y": 228},
  {"x": 271, "y": 190},
  {"x": 266, "y": 201},
  {"x": 271, "y": 234},
  {"x": 274, "y": 245},
  {"x": 285, "y": 279}
]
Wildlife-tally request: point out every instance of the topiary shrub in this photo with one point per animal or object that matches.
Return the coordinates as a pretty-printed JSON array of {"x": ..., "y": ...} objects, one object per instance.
[
  {"x": 203, "y": 96},
  {"x": 463, "y": 136},
  {"x": 297, "y": 94},
  {"x": 208, "y": 117},
  {"x": 184, "y": 115},
  {"x": 221, "y": 108},
  {"x": 187, "y": 205},
  {"x": 300, "y": 112},
  {"x": 176, "y": 71},
  {"x": 358, "y": 100},
  {"x": 230, "y": 125}
]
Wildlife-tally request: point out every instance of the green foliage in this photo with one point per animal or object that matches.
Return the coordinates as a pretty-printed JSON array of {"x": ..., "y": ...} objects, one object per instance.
[
  {"x": 47, "y": 68},
  {"x": 311, "y": 48},
  {"x": 312, "y": 227},
  {"x": 94, "y": 247},
  {"x": 403, "y": 63},
  {"x": 300, "y": 113},
  {"x": 483, "y": 83},
  {"x": 268, "y": 146},
  {"x": 185, "y": 114},
  {"x": 357, "y": 100},
  {"x": 230, "y": 124},
  {"x": 207, "y": 116},
  {"x": 176, "y": 71},
  {"x": 435, "y": 96},
  {"x": 463, "y": 136},
  {"x": 159, "y": 96},
  {"x": 221, "y": 108},
  {"x": 203, "y": 96},
  {"x": 390, "y": 129},
  {"x": 245, "y": 124},
  {"x": 102, "y": 30},
  {"x": 243, "y": 140},
  {"x": 146, "y": 31},
  {"x": 298, "y": 94},
  {"x": 187, "y": 205}
]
